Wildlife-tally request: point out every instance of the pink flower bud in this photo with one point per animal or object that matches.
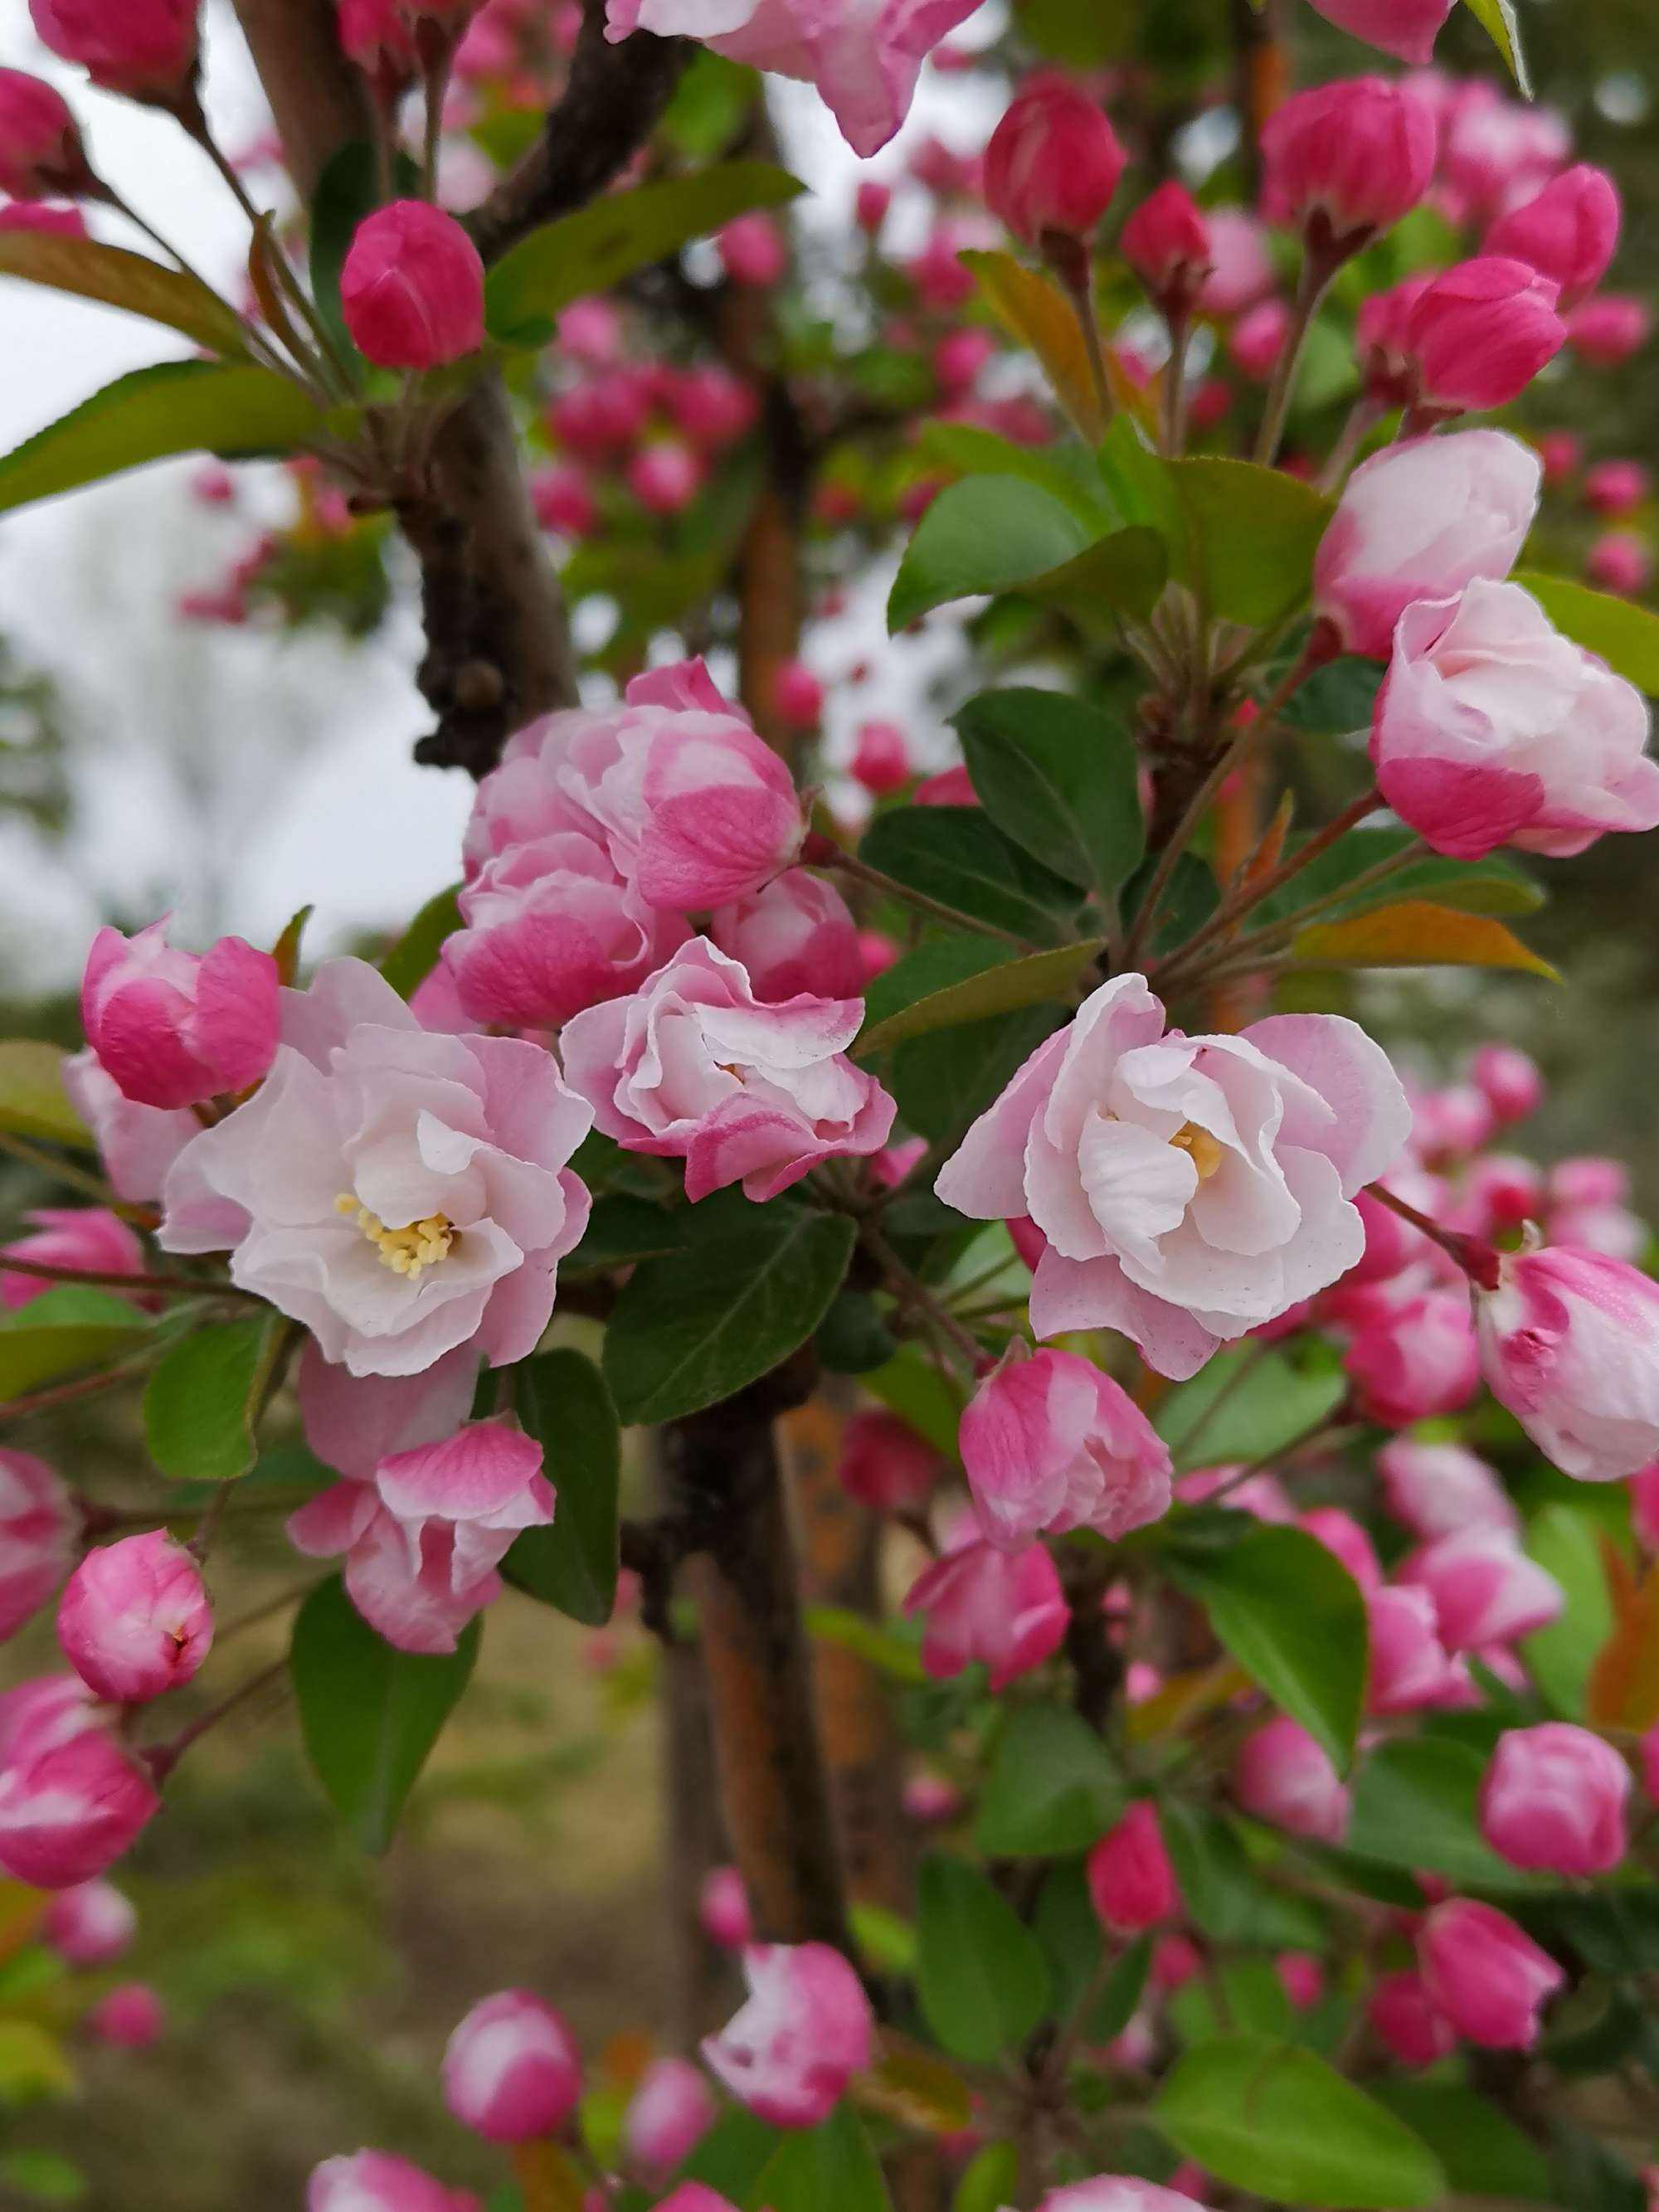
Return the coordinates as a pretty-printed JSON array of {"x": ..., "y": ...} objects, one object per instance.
[
  {"x": 86, "y": 1237},
  {"x": 713, "y": 406},
  {"x": 723, "y": 1908},
  {"x": 1509, "y": 1078},
  {"x": 1282, "y": 1776},
  {"x": 41, "y": 157},
  {"x": 1114, "y": 2192},
  {"x": 1345, "y": 1540},
  {"x": 1131, "y": 1884},
  {"x": 1049, "y": 1443},
  {"x": 35, "y": 214},
  {"x": 1391, "y": 1244},
  {"x": 1554, "y": 1800},
  {"x": 881, "y": 760},
  {"x": 806, "y": 2030},
  {"x": 1408, "y": 2022},
  {"x": 145, "y": 48},
  {"x": 72, "y": 1797},
  {"x": 1500, "y": 1192},
  {"x": 665, "y": 476},
  {"x": 668, "y": 2115},
  {"x": 1568, "y": 233},
  {"x": 870, "y": 204},
  {"x": 1420, "y": 521},
  {"x": 693, "y": 2196},
  {"x": 1348, "y": 159},
  {"x": 1621, "y": 561},
  {"x": 563, "y": 500},
  {"x": 797, "y": 695},
  {"x": 1243, "y": 269},
  {"x": 959, "y": 358},
  {"x": 374, "y": 2181},
  {"x": 1259, "y": 337},
  {"x": 1614, "y": 488},
  {"x": 1478, "y": 334},
  {"x": 375, "y": 34},
  {"x": 794, "y": 936},
  {"x": 980, "y": 1601},
  {"x": 1053, "y": 163},
  {"x": 1166, "y": 241},
  {"x": 1410, "y": 1667},
  {"x": 1176, "y": 1960},
  {"x": 1436, "y": 1490},
  {"x": 176, "y": 1028},
  {"x": 929, "y": 1801},
  {"x": 39, "y": 1529},
  {"x": 1562, "y": 454},
  {"x": 591, "y": 332},
  {"x": 90, "y": 1925},
  {"x": 951, "y": 786},
  {"x": 1485, "y": 1589},
  {"x": 753, "y": 250},
  {"x": 511, "y": 2070},
  {"x": 1404, "y": 28},
  {"x": 1301, "y": 1974},
  {"x": 1416, "y": 1360},
  {"x": 1569, "y": 1343},
  {"x": 1489, "y": 1978},
  {"x": 135, "y": 1620},
  {"x": 604, "y": 416},
  {"x": 885, "y": 1465},
  {"x": 411, "y": 289},
  {"x": 1590, "y": 1180},
  {"x": 128, "y": 2017},
  {"x": 1608, "y": 329},
  {"x": 1449, "y": 1125}
]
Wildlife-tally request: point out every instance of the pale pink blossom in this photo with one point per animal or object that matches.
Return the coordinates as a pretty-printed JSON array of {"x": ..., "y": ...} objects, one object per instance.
[
  {"x": 1489, "y": 1978},
  {"x": 1190, "y": 1188},
  {"x": 805, "y": 2031},
  {"x": 1569, "y": 1343},
  {"x": 86, "y": 1238},
  {"x": 1436, "y": 1490},
  {"x": 512, "y": 2069},
  {"x": 90, "y": 1925},
  {"x": 39, "y": 1532},
  {"x": 135, "y": 1620},
  {"x": 668, "y": 2115},
  {"x": 694, "y": 1067},
  {"x": 1050, "y": 1443},
  {"x": 1485, "y": 1589},
  {"x": 1116, "y": 2192},
  {"x": 1283, "y": 1777},
  {"x": 1492, "y": 728},
  {"x": 375, "y": 2181},
  {"x": 175, "y": 1027},
  {"x": 398, "y": 1192},
  {"x": 985, "y": 1603},
  {"x": 1554, "y": 1800},
  {"x": 137, "y": 1143}
]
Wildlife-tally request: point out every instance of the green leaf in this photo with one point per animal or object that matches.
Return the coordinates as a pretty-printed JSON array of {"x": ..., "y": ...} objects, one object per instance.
[
  {"x": 349, "y": 189},
  {"x": 831, "y": 2168},
  {"x": 1053, "y": 1787},
  {"x": 1043, "y": 978},
  {"x": 594, "y": 249},
  {"x": 933, "y": 966},
  {"x": 622, "y": 1229},
  {"x": 413, "y": 957},
  {"x": 692, "y": 1328},
  {"x": 1065, "y": 470},
  {"x": 943, "y": 1081},
  {"x": 989, "y": 2180},
  {"x": 116, "y": 279},
  {"x": 1498, "y": 19},
  {"x": 1246, "y": 1404},
  {"x": 33, "y": 1100},
  {"x": 912, "y": 1386},
  {"x": 1495, "y": 885},
  {"x": 889, "y": 1650},
  {"x": 1254, "y": 532},
  {"x": 984, "y": 535},
  {"x": 369, "y": 1714},
  {"x": 1253, "y": 1996},
  {"x": 43, "y": 2178},
  {"x": 177, "y": 407},
  {"x": 1271, "y": 2118},
  {"x": 1481, "y": 2149},
  {"x": 1415, "y": 1805},
  {"x": 958, "y": 855},
  {"x": 203, "y": 1403},
  {"x": 1625, "y": 635},
  {"x": 982, "y": 1976},
  {"x": 1059, "y": 777},
  {"x": 67, "y": 1328},
  {"x": 710, "y": 102},
  {"x": 561, "y": 1400},
  {"x": 1293, "y": 1618},
  {"x": 1124, "y": 574},
  {"x": 1589, "y": 2176},
  {"x": 1222, "y": 1893},
  {"x": 1566, "y": 1544}
]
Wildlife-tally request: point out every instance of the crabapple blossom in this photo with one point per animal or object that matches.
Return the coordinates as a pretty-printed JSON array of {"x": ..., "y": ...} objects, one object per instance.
[
  {"x": 86, "y": 1239},
  {"x": 40, "y": 1526},
  {"x": 1345, "y": 1540},
  {"x": 1511, "y": 1080},
  {"x": 1404, "y": 28},
  {"x": 1608, "y": 329},
  {"x": 145, "y": 48},
  {"x": 1131, "y": 1884},
  {"x": 1166, "y": 241},
  {"x": 1053, "y": 163},
  {"x": 983, "y": 1601},
  {"x": 1489, "y": 1978},
  {"x": 795, "y": 936},
  {"x": 1410, "y": 1667},
  {"x": 512, "y": 2069},
  {"x": 723, "y": 1908},
  {"x": 1412, "y": 1358},
  {"x": 807, "y": 2028},
  {"x": 1436, "y": 1490},
  {"x": 1568, "y": 232},
  {"x": 1244, "y": 268},
  {"x": 90, "y": 1925},
  {"x": 41, "y": 157},
  {"x": 884, "y": 1464},
  {"x": 1050, "y": 1443},
  {"x": 135, "y": 1620},
  {"x": 881, "y": 759},
  {"x": 1477, "y": 334},
  {"x": 1554, "y": 1799},
  {"x": 670, "y": 2112},
  {"x": 73, "y": 1797},
  {"x": 1348, "y": 160},
  {"x": 1569, "y": 1343},
  {"x": 1114, "y": 2192},
  {"x": 375, "y": 2181},
  {"x": 1282, "y": 1775},
  {"x": 411, "y": 287},
  {"x": 1621, "y": 561},
  {"x": 174, "y": 1029},
  {"x": 128, "y": 2018},
  {"x": 1190, "y": 1188},
  {"x": 1485, "y": 1589},
  {"x": 1408, "y": 2021}
]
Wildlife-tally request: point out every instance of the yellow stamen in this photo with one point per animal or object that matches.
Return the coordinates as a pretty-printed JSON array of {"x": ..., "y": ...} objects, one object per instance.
[
  {"x": 406, "y": 1251},
  {"x": 1206, "y": 1154}
]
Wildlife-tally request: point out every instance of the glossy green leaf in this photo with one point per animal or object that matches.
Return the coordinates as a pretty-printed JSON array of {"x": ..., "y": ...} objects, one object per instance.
[
  {"x": 831, "y": 2168},
  {"x": 982, "y": 1976},
  {"x": 1053, "y": 1787},
  {"x": 989, "y": 2180},
  {"x": 116, "y": 279},
  {"x": 1273, "y": 2118},
  {"x": 1253, "y": 534},
  {"x": 1624, "y": 634},
  {"x": 750, "y": 1286},
  {"x": 912, "y": 1386},
  {"x": 177, "y": 407},
  {"x": 1065, "y": 470},
  {"x": 562, "y": 1400},
  {"x": 591, "y": 251},
  {"x": 1246, "y": 1404},
  {"x": 369, "y": 1714},
  {"x": 33, "y": 1100},
  {"x": 1294, "y": 1618},
  {"x": 1124, "y": 574},
  {"x": 1415, "y": 1804},
  {"x": 203, "y": 1403},
  {"x": 1502, "y": 27},
  {"x": 1223, "y": 1893},
  {"x": 957, "y": 855},
  {"x": 984, "y": 535},
  {"x": 943, "y": 1081},
  {"x": 1482, "y": 2150},
  {"x": 1060, "y": 778},
  {"x": 934, "y": 965},
  {"x": 1044, "y": 978},
  {"x": 1560, "y": 1658},
  {"x": 413, "y": 958},
  {"x": 64, "y": 1330},
  {"x": 624, "y": 1229}
]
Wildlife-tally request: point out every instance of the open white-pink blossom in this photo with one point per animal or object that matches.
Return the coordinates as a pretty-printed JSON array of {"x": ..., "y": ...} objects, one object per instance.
[
  {"x": 694, "y": 1067},
  {"x": 398, "y": 1192},
  {"x": 1190, "y": 1188}
]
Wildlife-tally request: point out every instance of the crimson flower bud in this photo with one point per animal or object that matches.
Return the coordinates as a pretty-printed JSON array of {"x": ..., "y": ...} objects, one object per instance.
[
  {"x": 128, "y": 2017},
  {"x": 1621, "y": 561},
  {"x": 41, "y": 157},
  {"x": 1479, "y": 335},
  {"x": 1408, "y": 2021},
  {"x": 1348, "y": 160},
  {"x": 1489, "y": 1978},
  {"x": 1053, "y": 163},
  {"x": 145, "y": 48},
  {"x": 1132, "y": 1884},
  {"x": 511, "y": 2070},
  {"x": 375, "y": 35},
  {"x": 1568, "y": 233},
  {"x": 411, "y": 289},
  {"x": 797, "y": 695},
  {"x": 753, "y": 250},
  {"x": 871, "y": 203},
  {"x": 1404, "y": 28},
  {"x": 1166, "y": 241},
  {"x": 135, "y": 1620},
  {"x": 885, "y": 1465},
  {"x": 881, "y": 760}
]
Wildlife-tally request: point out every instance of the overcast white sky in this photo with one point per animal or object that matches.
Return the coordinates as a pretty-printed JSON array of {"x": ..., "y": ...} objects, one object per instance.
[{"x": 298, "y": 749}]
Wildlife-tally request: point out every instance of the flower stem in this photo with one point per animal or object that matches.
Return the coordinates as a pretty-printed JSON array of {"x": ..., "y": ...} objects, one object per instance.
[
  {"x": 911, "y": 1289},
  {"x": 111, "y": 1279},
  {"x": 1480, "y": 1261},
  {"x": 1312, "y": 288},
  {"x": 164, "y": 1756}
]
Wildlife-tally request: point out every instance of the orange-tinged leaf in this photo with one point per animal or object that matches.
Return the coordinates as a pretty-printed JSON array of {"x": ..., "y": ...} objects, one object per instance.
[
  {"x": 549, "y": 2180},
  {"x": 626, "y": 2056},
  {"x": 914, "y": 2087},
  {"x": 1624, "y": 1683},
  {"x": 1035, "y": 310},
  {"x": 1415, "y": 934},
  {"x": 1184, "y": 1697}
]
